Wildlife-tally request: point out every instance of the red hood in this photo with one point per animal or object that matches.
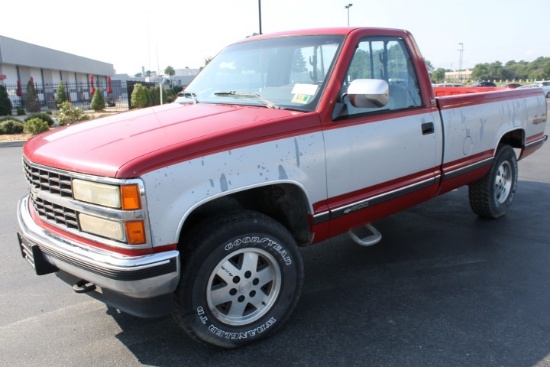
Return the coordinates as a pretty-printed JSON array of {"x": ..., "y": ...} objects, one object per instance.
[{"x": 132, "y": 143}]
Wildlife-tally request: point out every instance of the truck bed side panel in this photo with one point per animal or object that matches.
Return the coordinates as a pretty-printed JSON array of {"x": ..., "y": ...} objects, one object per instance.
[{"x": 474, "y": 124}]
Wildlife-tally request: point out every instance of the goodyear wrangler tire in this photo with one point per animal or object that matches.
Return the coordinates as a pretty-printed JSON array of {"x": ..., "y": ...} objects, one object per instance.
[
  {"x": 491, "y": 196},
  {"x": 242, "y": 277}
]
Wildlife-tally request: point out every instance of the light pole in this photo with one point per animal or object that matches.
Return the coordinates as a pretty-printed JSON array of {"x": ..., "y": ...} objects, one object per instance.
[
  {"x": 260, "y": 14},
  {"x": 347, "y": 7},
  {"x": 460, "y": 53}
]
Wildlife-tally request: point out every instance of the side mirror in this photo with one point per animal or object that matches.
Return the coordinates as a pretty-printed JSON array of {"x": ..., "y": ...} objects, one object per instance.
[{"x": 368, "y": 93}]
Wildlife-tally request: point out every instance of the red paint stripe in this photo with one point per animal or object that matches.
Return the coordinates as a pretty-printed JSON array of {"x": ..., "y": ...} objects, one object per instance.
[
  {"x": 379, "y": 189},
  {"x": 466, "y": 162},
  {"x": 474, "y": 99}
]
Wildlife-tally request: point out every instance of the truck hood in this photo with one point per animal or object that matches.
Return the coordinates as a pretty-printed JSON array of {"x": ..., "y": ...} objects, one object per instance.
[{"x": 132, "y": 143}]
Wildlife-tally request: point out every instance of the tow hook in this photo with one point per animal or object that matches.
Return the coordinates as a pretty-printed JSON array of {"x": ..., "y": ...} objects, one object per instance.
[{"x": 83, "y": 286}]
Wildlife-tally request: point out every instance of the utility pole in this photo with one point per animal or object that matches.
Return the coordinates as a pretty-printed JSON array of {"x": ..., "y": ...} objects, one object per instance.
[
  {"x": 260, "y": 14},
  {"x": 460, "y": 54},
  {"x": 347, "y": 7}
]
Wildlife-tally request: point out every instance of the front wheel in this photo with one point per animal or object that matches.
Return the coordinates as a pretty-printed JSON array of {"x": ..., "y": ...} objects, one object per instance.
[
  {"x": 242, "y": 276},
  {"x": 491, "y": 196}
]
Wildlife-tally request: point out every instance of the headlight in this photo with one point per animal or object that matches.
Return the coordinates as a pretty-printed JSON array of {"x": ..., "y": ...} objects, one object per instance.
[
  {"x": 96, "y": 193},
  {"x": 102, "y": 227},
  {"x": 112, "y": 196}
]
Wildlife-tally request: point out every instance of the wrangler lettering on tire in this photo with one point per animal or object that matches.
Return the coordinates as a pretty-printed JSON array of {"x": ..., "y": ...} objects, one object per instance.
[{"x": 241, "y": 279}]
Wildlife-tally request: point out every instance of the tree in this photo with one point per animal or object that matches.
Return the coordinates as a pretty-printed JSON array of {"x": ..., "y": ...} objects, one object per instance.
[
  {"x": 5, "y": 102},
  {"x": 169, "y": 71},
  {"x": 429, "y": 66},
  {"x": 207, "y": 60},
  {"x": 138, "y": 75},
  {"x": 32, "y": 102},
  {"x": 140, "y": 96},
  {"x": 438, "y": 75},
  {"x": 60, "y": 95},
  {"x": 98, "y": 102},
  {"x": 299, "y": 65}
]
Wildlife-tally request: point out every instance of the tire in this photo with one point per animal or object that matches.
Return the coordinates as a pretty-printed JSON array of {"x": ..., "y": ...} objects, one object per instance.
[
  {"x": 242, "y": 277},
  {"x": 491, "y": 196}
]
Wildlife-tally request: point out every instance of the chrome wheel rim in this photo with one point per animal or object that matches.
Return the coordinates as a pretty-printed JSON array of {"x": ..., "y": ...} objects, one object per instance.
[
  {"x": 503, "y": 182},
  {"x": 243, "y": 286}
]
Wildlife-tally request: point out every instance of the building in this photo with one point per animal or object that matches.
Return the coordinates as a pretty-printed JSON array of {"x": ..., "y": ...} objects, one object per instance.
[
  {"x": 460, "y": 76},
  {"x": 21, "y": 62}
]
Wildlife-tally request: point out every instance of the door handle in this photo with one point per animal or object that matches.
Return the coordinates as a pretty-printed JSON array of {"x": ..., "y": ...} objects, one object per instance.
[{"x": 427, "y": 128}]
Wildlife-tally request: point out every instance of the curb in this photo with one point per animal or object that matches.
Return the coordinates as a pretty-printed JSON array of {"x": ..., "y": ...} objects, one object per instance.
[{"x": 12, "y": 143}]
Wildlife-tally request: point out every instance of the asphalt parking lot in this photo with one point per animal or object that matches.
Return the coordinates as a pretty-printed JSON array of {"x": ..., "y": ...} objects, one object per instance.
[{"x": 443, "y": 288}]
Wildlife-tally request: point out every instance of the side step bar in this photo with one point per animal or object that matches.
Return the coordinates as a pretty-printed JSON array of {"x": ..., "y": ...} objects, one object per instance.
[{"x": 373, "y": 238}]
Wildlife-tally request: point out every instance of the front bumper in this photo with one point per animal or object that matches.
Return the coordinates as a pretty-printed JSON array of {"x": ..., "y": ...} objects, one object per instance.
[{"x": 136, "y": 277}]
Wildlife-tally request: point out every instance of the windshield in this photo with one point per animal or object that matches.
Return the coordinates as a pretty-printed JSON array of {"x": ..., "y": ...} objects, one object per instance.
[{"x": 286, "y": 72}]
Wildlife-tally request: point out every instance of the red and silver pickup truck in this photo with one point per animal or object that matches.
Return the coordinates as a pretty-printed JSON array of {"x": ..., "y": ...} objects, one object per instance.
[{"x": 285, "y": 140}]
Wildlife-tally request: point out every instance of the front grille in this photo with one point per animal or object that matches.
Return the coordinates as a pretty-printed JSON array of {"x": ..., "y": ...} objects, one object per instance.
[
  {"x": 55, "y": 213},
  {"x": 55, "y": 183}
]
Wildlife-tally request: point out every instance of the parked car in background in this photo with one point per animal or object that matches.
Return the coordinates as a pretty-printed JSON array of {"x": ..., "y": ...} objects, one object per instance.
[
  {"x": 448, "y": 85},
  {"x": 545, "y": 85},
  {"x": 184, "y": 97},
  {"x": 484, "y": 84},
  {"x": 512, "y": 85}
]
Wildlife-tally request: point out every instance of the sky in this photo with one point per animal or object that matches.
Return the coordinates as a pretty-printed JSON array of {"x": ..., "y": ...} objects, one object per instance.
[{"x": 182, "y": 33}]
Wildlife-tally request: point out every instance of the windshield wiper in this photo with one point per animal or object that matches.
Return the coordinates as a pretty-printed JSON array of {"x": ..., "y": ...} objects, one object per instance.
[{"x": 248, "y": 95}]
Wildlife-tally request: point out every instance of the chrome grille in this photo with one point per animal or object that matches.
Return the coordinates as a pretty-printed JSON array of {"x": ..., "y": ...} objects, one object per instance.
[
  {"x": 49, "y": 181},
  {"x": 55, "y": 213},
  {"x": 55, "y": 183}
]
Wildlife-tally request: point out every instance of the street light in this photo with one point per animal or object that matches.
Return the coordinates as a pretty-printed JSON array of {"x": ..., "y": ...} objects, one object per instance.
[
  {"x": 260, "y": 14},
  {"x": 163, "y": 80},
  {"x": 461, "y": 53},
  {"x": 347, "y": 7}
]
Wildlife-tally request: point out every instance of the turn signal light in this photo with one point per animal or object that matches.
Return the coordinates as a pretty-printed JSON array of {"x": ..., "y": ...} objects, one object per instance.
[
  {"x": 135, "y": 232},
  {"x": 130, "y": 197}
]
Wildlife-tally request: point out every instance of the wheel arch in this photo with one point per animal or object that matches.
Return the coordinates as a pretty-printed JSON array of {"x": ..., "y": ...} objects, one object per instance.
[
  {"x": 286, "y": 202},
  {"x": 514, "y": 138}
]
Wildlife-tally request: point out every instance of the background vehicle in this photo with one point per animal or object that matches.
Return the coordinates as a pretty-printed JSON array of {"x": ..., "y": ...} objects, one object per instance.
[
  {"x": 511, "y": 85},
  {"x": 484, "y": 84},
  {"x": 545, "y": 85}
]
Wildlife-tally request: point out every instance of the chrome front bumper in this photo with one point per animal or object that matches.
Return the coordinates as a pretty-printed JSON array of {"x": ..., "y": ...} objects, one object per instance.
[{"x": 139, "y": 277}]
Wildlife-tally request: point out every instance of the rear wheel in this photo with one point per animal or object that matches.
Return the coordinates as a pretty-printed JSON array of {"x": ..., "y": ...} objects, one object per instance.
[
  {"x": 242, "y": 276},
  {"x": 491, "y": 196}
]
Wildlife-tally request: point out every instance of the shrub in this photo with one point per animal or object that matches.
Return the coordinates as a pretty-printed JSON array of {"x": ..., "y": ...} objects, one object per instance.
[
  {"x": 42, "y": 116},
  {"x": 140, "y": 96},
  {"x": 11, "y": 127},
  {"x": 60, "y": 95},
  {"x": 32, "y": 102},
  {"x": 5, "y": 102},
  {"x": 98, "y": 102},
  {"x": 20, "y": 111},
  {"x": 154, "y": 96},
  {"x": 36, "y": 126},
  {"x": 68, "y": 114}
]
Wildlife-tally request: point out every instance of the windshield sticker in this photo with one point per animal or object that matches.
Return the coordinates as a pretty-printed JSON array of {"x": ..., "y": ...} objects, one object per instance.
[
  {"x": 301, "y": 98},
  {"x": 307, "y": 89}
]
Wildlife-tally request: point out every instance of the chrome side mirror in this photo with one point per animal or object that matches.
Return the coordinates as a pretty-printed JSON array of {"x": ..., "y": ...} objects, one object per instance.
[{"x": 368, "y": 93}]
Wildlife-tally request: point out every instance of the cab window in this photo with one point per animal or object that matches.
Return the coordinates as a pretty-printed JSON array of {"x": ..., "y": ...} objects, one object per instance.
[{"x": 384, "y": 58}]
